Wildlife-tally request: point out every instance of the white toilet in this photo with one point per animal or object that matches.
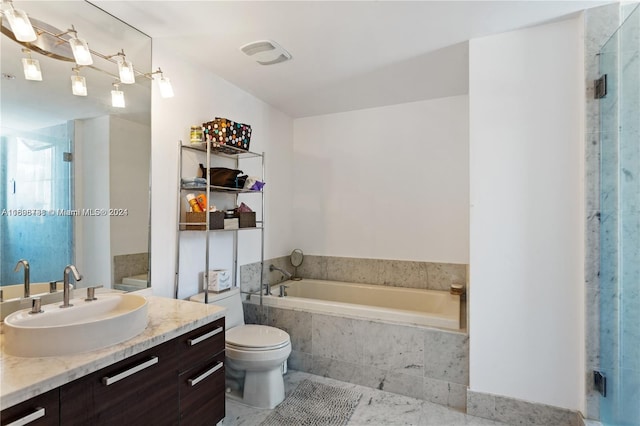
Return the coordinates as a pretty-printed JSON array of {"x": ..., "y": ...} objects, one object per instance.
[{"x": 255, "y": 354}]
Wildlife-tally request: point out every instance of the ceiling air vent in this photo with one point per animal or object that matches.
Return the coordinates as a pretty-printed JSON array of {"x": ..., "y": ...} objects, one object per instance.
[{"x": 266, "y": 52}]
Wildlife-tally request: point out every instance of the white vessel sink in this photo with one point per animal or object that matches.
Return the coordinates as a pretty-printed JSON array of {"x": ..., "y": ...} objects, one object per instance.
[
  {"x": 13, "y": 300},
  {"x": 85, "y": 326}
]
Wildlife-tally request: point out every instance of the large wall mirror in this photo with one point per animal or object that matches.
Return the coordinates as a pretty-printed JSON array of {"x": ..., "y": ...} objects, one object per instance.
[{"x": 74, "y": 170}]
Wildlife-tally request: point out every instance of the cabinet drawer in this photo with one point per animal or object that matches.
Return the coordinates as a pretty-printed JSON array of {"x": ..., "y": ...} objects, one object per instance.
[
  {"x": 201, "y": 344},
  {"x": 202, "y": 393},
  {"x": 139, "y": 390},
  {"x": 42, "y": 410}
]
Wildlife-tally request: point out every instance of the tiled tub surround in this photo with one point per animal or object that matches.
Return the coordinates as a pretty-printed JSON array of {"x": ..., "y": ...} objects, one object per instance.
[
  {"x": 24, "y": 378},
  {"x": 396, "y": 273},
  {"x": 415, "y": 361},
  {"x": 129, "y": 265}
]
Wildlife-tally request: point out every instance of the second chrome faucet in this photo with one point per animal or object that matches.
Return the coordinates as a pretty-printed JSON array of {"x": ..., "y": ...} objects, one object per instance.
[{"x": 65, "y": 296}]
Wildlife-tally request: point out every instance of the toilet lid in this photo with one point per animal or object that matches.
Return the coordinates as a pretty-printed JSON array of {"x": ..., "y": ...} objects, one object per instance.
[{"x": 257, "y": 337}]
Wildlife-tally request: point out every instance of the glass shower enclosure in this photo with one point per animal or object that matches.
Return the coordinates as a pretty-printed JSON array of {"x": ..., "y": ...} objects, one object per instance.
[{"x": 620, "y": 225}]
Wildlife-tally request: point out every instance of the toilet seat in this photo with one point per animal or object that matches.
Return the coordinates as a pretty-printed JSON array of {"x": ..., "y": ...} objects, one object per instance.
[{"x": 254, "y": 337}]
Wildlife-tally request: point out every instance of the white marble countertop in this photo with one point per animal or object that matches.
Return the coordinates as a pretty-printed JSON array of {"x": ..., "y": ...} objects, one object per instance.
[{"x": 24, "y": 378}]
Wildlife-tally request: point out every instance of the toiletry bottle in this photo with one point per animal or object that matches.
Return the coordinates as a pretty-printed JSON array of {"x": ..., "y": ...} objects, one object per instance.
[
  {"x": 196, "y": 134},
  {"x": 202, "y": 201},
  {"x": 193, "y": 203}
]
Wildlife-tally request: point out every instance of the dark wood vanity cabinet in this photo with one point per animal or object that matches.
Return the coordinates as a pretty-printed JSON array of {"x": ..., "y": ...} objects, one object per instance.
[
  {"x": 41, "y": 410},
  {"x": 201, "y": 376},
  {"x": 136, "y": 391},
  {"x": 180, "y": 382}
]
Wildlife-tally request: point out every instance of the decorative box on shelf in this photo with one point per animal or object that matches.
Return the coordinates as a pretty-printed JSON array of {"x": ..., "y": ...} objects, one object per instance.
[
  {"x": 246, "y": 219},
  {"x": 216, "y": 220},
  {"x": 222, "y": 133}
]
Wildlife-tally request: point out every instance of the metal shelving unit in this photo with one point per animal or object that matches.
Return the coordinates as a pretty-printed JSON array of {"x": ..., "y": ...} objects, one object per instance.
[{"x": 228, "y": 152}]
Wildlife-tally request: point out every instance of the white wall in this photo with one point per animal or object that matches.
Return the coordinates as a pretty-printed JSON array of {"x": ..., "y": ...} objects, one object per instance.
[
  {"x": 388, "y": 183},
  {"x": 92, "y": 192},
  {"x": 129, "y": 155},
  {"x": 201, "y": 96},
  {"x": 527, "y": 238}
]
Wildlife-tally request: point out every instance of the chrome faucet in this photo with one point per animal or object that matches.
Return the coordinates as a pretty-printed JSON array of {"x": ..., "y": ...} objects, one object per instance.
[
  {"x": 27, "y": 279},
  {"x": 65, "y": 295},
  {"x": 272, "y": 268},
  {"x": 283, "y": 290}
]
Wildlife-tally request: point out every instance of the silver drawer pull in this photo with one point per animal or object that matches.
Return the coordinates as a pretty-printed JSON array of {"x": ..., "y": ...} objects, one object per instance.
[
  {"x": 206, "y": 374},
  {"x": 111, "y": 380},
  {"x": 39, "y": 413},
  {"x": 205, "y": 336}
]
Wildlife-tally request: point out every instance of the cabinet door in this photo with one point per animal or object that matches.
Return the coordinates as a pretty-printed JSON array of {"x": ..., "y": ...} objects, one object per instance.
[
  {"x": 140, "y": 390},
  {"x": 202, "y": 393},
  {"x": 42, "y": 410}
]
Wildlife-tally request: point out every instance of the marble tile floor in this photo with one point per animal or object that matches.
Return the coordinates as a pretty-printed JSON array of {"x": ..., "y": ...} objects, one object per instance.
[{"x": 376, "y": 408}]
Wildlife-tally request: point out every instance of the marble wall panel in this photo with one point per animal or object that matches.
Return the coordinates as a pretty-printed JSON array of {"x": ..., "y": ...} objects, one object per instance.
[
  {"x": 376, "y": 354},
  {"x": 442, "y": 275},
  {"x": 354, "y": 270},
  {"x": 394, "y": 348},
  {"x": 337, "y": 369},
  {"x": 400, "y": 273},
  {"x": 396, "y": 273},
  {"x": 445, "y": 393},
  {"x": 446, "y": 356},
  {"x": 128, "y": 265},
  {"x": 300, "y": 361},
  {"x": 338, "y": 338},
  {"x": 518, "y": 412},
  {"x": 314, "y": 267},
  {"x": 296, "y": 323}
]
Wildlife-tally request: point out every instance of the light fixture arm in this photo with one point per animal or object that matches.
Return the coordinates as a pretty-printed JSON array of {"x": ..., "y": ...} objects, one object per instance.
[{"x": 93, "y": 52}]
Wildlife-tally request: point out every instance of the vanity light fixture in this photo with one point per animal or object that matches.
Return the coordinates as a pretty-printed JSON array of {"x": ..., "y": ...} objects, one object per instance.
[
  {"x": 164, "y": 84},
  {"x": 31, "y": 67},
  {"x": 80, "y": 48},
  {"x": 117, "y": 97},
  {"x": 125, "y": 68},
  {"x": 78, "y": 83},
  {"x": 19, "y": 23},
  {"x": 25, "y": 32}
]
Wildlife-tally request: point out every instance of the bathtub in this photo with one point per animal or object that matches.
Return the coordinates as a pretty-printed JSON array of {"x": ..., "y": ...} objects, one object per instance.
[{"x": 396, "y": 304}]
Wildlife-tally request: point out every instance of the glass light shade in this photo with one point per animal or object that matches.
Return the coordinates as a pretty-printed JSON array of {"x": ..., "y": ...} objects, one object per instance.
[
  {"x": 20, "y": 25},
  {"x": 166, "y": 90},
  {"x": 78, "y": 85},
  {"x": 81, "y": 51},
  {"x": 31, "y": 69},
  {"x": 117, "y": 98},
  {"x": 125, "y": 69}
]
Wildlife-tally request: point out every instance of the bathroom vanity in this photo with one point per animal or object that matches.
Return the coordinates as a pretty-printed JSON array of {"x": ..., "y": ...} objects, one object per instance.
[{"x": 170, "y": 374}]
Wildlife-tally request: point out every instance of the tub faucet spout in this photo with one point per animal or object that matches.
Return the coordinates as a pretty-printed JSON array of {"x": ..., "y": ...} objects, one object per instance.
[
  {"x": 282, "y": 271},
  {"x": 27, "y": 280},
  {"x": 65, "y": 295}
]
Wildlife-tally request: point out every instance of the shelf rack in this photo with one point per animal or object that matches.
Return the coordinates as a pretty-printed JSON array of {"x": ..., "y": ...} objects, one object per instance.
[{"x": 229, "y": 152}]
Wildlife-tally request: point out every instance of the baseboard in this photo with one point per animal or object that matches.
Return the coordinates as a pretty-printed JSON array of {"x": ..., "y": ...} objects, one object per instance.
[{"x": 518, "y": 412}]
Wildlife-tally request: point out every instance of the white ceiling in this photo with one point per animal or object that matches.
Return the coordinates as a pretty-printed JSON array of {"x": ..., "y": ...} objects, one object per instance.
[{"x": 346, "y": 55}]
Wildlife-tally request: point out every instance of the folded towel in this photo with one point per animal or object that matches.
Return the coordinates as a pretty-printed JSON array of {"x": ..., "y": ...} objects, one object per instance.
[{"x": 194, "y": 183}]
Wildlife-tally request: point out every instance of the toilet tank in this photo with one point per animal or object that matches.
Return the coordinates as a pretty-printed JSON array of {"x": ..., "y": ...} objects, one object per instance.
[{"x": 229, "y": 299}]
